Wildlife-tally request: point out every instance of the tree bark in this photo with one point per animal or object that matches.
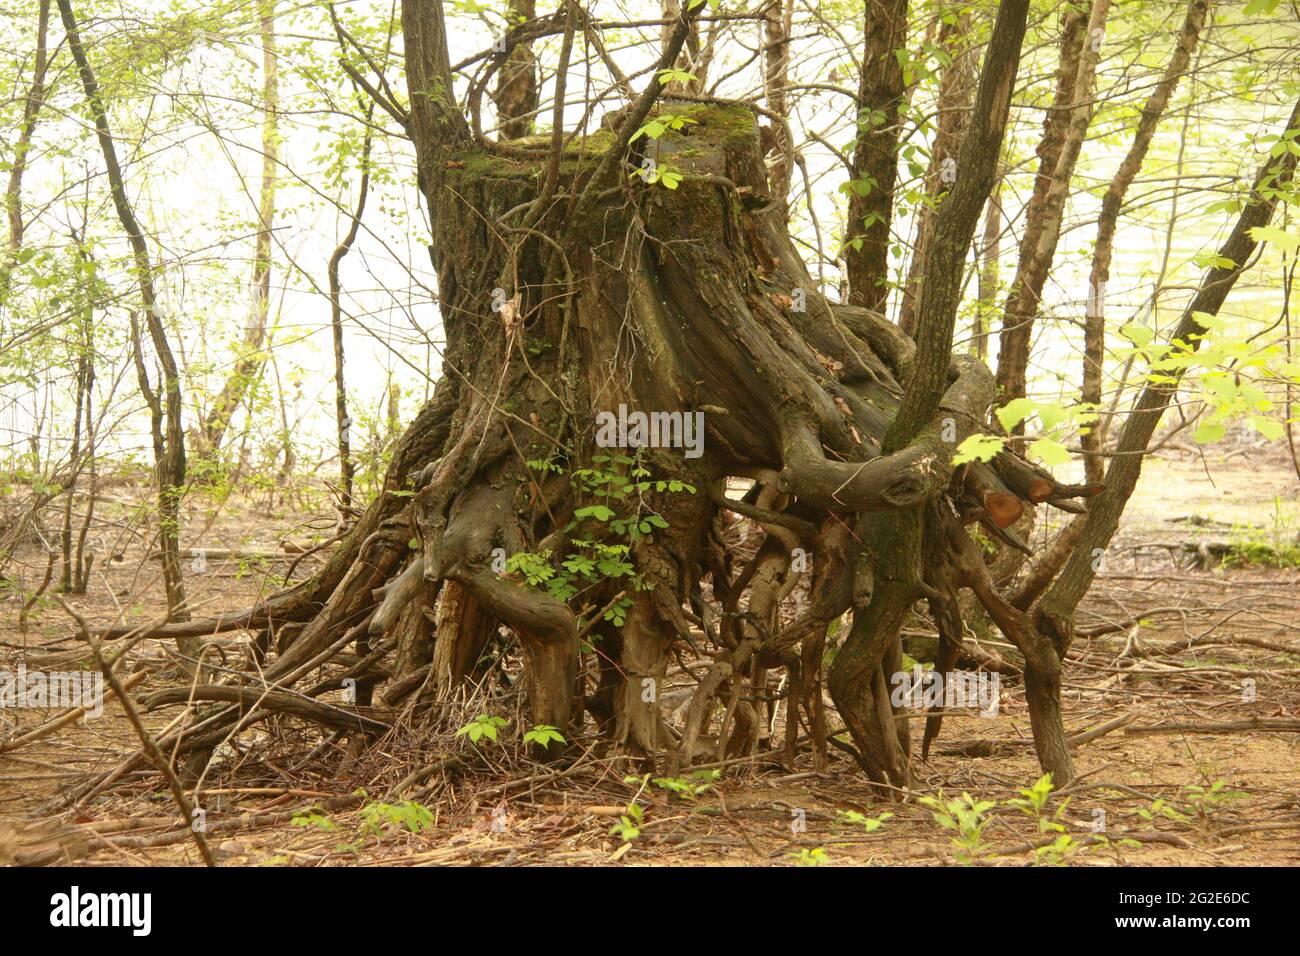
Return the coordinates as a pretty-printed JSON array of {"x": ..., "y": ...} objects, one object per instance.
[
  {"x": 955, "y": 92},
  {"x": 251, "y": 356},
  {"x": 569, "y": 287},
  {"x": 897, "y": 537},
  {"x": 169, "y": 436},
  {"x": 31, "y": 111},
  {"x": 1094, "y": 345},
  {"x": 990, "y": 253},
  {"x": 777, "y": 19},
  {"x": 1064, "y": 131},
  {"x": 516, "y": 93},
  {"x": 875, "y": 156}
]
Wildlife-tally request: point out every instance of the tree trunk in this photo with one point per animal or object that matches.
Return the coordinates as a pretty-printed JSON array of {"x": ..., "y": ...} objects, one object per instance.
[
  {"x": 516, "y": 93},
  {"x": 251, "y": 356},
  {"x": 343, "y": 421},
  {"x": 895, "y": 538},
  {"x": 1064, "y": 131},
  {"x": 575, "y": 296},
  {"x": 777, "y": 19},
  {"x": 1094, "y": 346},
  {"x": 1054, "y": 614},
  {"x": 31, "y": 110},
  {"x": 990, "y": 252},
  {"x": 875, "y": 155},
  {"x": 168, "y": 434},
  {"x": 955, "y": 92}
]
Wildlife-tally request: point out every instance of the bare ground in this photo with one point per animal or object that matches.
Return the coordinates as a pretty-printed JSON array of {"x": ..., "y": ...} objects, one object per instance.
[{"x": 1168, "y": 686}]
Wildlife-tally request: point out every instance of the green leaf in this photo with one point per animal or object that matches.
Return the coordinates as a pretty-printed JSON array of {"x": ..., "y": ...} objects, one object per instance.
[
  {"x": 977, "y": 448},
  {"x": 1137, "y": 333},
  {"x": 1210, "y": 322},
  {"x": 1278, "y": 237},
  {"x": 543, "y": 735},
  {"x": 1209, "y": 431},
  {"x": 1268, "y": 427},
  {"x": 1051, "y": 415},
  {"x": 672, "y": 75},
  {"x": 1256, "y": 7},
  {"x": 1015, "y": 411},
  {"x": 1050, "y": 452}
]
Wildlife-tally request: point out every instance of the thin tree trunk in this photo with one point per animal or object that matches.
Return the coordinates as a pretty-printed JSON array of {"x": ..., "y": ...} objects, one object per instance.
[
  {"x": 1055, "y": 613},
  {"x": 955, "y": 92},
  {"x": 990, "y": 252},
  {"x": 777, "y": 18},
  {"x": 856, "y": 681},
  {"x": 31, "y": 110},
  {"x": 1094, "y": 342},
  {"x": 346, "y": 468},
  {"x": 516, "y": 93},
  {"x": 70, "y": 577},
  {"x": 251, "y": 355},
  {"x": 1064, "y": 131},
  {"x": 394, "y": 412},
  {"x": 169, "y": 438},
  {"x": 81, "y": 560},
  {"x": 881, "y": 93}
]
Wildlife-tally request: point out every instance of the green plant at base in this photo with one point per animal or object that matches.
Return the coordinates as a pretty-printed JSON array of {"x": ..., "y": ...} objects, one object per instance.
[
  {"x": 1034, "y": 804},
  {"x": 543, "y": 735},
  {"x": 814, "y": 857},
  {"x": 628, "y": 827},
  {"x": 688, "y": 788},
  {"x": 870, "y": 824},
  {"x": 966, "y": 817},
  {"x": 1205, "y": 801},
  {"x": 312, "y": 817},
  {"x": 613, "y": 520},
  {"x": 1162, "y": 808},
  {"x": 378, "y": 817},
  {"x": 484, "y": 725}
]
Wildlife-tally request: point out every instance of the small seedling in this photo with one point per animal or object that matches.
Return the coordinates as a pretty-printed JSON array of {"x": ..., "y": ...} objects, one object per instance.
[{"x": 484, "y": 725}]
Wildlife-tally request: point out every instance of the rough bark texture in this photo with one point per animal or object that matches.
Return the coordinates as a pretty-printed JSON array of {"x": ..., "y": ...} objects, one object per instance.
[
  {"x": 251, "y": 356},
  {"x": 875, "y": 157},
  {"x": 896, "y": 538},
  {"x": 568, "y": 288},
  {"x": 168, "y": 436},
  {"x": 956, "y": 90},
  {"x": 516, "y": 93},
  {"x": 1094, "y": 345},
  {"x": 1064, "y": 131},
  {"x": 777, "y": 21}
]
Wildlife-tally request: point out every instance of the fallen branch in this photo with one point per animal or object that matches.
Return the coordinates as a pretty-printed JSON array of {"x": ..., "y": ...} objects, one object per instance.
[
  {"x": 277, "y": 701},
  {"x": 56, "y": 723},
  {"x": 150, "y": 746},
  {"x": 1218, "y": 727}
]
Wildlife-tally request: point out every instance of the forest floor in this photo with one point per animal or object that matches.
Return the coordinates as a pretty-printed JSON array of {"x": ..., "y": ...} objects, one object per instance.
[{"x": 1196, "y": 760}]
